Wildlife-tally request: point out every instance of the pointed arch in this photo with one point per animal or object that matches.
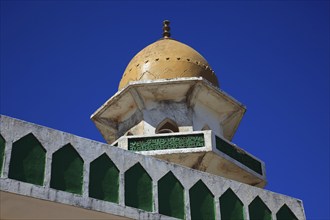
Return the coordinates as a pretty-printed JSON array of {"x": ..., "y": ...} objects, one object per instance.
[
  {"x": 104, "y": 179},
  {"x": 259, "y": 210},
  {"x": 129, "y": 133},
  {"x": 27, "y": 162},
  {"x": 138, "y": 188},
  {"x": 171, "y": 196},
  {"x": 67, "y": 170},
  {"x": 167, "y": 126},
  {"x": 231, "y": 207},
  {"x": 2, "y": 152},
  {"x": 285, "y": 213},
  {"x": 206, "y": 127},
  {"x": 201, "y": 202}
]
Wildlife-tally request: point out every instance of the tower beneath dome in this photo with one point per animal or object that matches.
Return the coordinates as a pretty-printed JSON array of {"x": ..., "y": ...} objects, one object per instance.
[
  {"x": 169, "y": 105},
  {"x": 169, "y": 111}
]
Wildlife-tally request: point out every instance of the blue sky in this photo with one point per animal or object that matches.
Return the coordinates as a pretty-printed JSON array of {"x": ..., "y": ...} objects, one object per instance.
[{"x": 61, "y": 60}]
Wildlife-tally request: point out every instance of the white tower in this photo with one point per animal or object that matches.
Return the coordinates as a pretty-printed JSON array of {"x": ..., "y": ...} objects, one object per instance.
[{"x": 169, "y": 105}]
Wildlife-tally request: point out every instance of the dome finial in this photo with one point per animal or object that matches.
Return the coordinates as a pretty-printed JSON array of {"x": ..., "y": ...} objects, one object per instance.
[{"x": 166, "y": 29}]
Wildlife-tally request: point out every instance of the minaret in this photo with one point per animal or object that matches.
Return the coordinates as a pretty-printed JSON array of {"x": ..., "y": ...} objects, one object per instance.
[
  {"x": 169, "y": 111},
  {"x": 169, "y": 105}
]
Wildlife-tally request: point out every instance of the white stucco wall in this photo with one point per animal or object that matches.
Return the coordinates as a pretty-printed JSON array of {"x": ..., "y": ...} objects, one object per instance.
[{"x": 52, "y": 140}]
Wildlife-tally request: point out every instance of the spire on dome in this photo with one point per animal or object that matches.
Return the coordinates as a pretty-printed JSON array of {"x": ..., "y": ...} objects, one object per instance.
[{"x": 166, "y": 29}]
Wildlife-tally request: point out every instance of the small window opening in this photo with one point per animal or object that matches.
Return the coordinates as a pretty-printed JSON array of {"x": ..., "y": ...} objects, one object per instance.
[
  {"x": 129, "y": 134},
  {"x": 167, "y": 126},
  {"x": 206, "y": 127}
]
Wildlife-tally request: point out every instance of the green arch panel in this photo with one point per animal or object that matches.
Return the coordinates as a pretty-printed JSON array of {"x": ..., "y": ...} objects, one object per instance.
[
  {"x": 104, "y": 179},
  {"x": 171, "y": 196},
  {"x": 27, "y": 162},
  {"x": 138, "y": 188},
  {"x": 231, "y": 207},
  {"x": 285, "y": 214},
  {"x": 201, "y": 202},
  {"x": 258, "y": 210},
  {"x": 67, "y": 170},
  {"x": 2, "y": 152}
]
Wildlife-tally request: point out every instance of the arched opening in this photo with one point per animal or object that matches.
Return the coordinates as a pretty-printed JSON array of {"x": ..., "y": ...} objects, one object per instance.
[
  {"x": 259, "y": 210},
  {"x": 206, "y": 128},
  {"x": 285, "y": 214},
  {"x": 104, "y": 179},
  {"x": 138, "y": 188},
  {"x": 2, "y": 152},
  {"x": 171, "y": 196},
  {"x": 129, "y": 133},
  {"x": 67, "y": 170},
  {"x": 201, "y": 202},
  {"x": 27, "y": 162},
  {"x": 167, "y": 126},
  {"x": 231, "y": 207}
]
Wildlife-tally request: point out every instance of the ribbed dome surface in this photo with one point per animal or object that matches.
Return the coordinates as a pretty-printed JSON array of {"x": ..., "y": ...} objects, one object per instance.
[{"x": 167, "y": 59}]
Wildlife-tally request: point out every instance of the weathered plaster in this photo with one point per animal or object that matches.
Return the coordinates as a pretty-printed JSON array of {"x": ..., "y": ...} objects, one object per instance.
[
  {"x": 13, "y": 129},
  {"x": 191, "y": 102}
]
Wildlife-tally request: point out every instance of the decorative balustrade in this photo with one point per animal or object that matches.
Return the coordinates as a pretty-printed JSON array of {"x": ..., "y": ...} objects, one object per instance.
[{"x": 125, "y": 177}]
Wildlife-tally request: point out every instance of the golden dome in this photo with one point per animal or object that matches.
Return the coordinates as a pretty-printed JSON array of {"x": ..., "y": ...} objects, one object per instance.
[{"x": 167, "y": 59}]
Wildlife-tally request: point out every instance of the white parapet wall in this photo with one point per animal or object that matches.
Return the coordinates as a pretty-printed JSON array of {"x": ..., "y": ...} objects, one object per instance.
[
  {"x": 201, "y": 150},
  {"x": 13, "y": 130}
]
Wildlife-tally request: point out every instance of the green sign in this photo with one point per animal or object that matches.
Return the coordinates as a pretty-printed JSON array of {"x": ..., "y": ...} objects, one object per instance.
[{"x": 166, "y": 142}]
